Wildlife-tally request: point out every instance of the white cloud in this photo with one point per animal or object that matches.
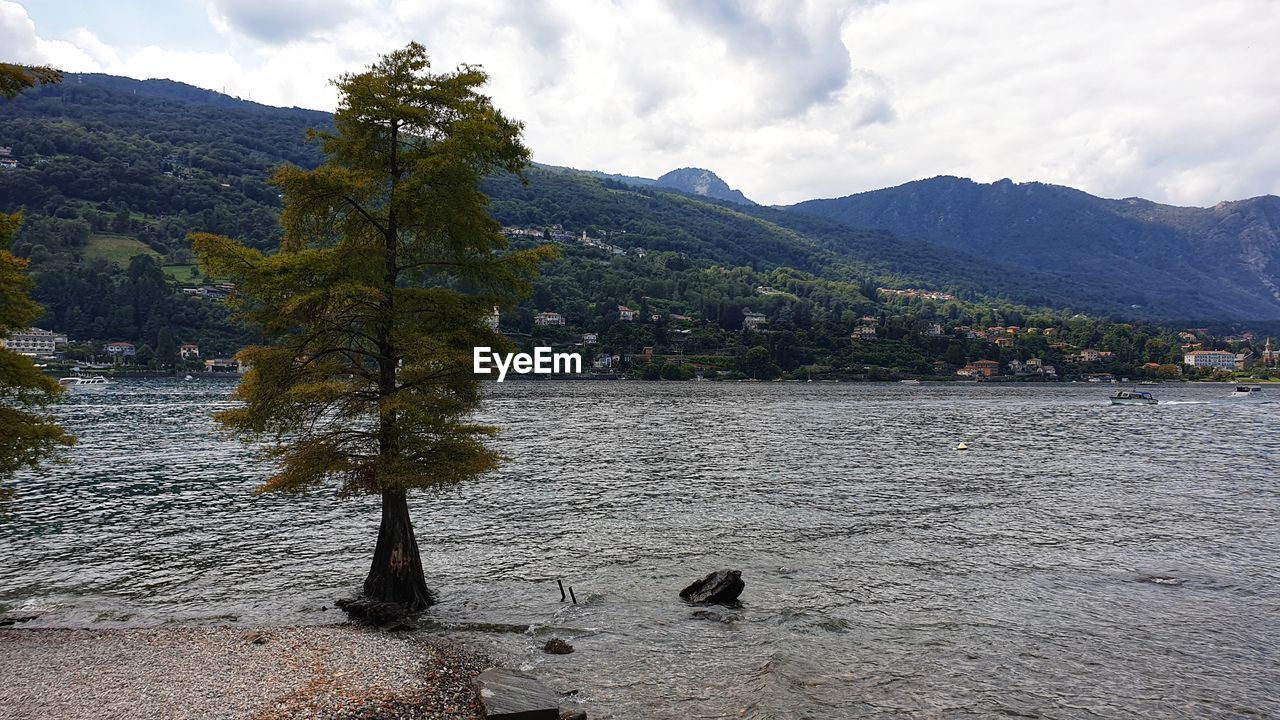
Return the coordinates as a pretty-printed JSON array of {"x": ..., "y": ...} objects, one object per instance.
[
  {"x": 1174, "y": 101},
  {"x": 274, "y": 21}
]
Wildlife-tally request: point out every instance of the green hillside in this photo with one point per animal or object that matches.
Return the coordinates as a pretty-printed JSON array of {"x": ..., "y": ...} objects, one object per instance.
[
  {"x": 114, "y": 174},
  {"x": 116, "y": 248}
]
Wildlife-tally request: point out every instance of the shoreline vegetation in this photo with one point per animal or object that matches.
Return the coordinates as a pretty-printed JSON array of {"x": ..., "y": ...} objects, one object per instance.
[{"x": 336, "y": 672}]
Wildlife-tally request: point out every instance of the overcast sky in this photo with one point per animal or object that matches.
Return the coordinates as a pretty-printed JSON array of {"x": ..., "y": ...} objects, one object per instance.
[{"x": 1174, "y": 100}]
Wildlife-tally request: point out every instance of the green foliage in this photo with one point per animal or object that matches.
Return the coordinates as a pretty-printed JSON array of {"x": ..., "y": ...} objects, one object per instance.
[
  {"x": 390, "y": 263},
  {"x": 115, "y": 248},
  {"x": 16, "y": 78},
  {"x": 757, "y": 364},
  {"x": 27, "y": 437}
]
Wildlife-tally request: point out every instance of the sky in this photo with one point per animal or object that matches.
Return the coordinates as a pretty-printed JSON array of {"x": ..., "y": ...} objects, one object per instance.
[{"x": 1177, "y": 101}]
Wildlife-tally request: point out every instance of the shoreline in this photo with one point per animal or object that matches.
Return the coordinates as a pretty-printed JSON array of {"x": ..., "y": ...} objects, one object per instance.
[{"x": 340, "y": 671}]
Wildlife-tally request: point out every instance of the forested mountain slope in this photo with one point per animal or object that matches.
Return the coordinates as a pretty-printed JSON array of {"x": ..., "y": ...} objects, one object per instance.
[
  {"x": 1168, "y": 262},
  {"x": 114, "y": 173}
]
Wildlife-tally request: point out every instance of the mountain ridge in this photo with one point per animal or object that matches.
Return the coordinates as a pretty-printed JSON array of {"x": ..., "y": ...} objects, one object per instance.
[
  {"x": 1223, "y": 259},
  {"x": 189, "y": 158}
]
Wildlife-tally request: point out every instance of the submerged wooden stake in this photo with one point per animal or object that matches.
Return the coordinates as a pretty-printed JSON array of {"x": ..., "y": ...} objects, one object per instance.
[{"x": 561, "y": 584}]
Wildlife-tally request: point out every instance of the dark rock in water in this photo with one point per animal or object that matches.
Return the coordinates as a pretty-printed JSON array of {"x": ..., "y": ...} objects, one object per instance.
[
  {"x": 556, "y": 646},
  {"x": 572, "y": 714},
  {"x": 513, "y": 695},
  {"x": 389, "y": 616},
  {"x": 721, "y": 587}
]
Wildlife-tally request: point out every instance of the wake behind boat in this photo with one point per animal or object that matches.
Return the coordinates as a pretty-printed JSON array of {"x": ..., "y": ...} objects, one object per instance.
[{"x": 1133, "y": 397}]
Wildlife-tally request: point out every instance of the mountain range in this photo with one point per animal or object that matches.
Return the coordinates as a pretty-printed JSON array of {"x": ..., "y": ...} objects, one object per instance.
[
  {"x": 1217, "y": 263},
  {"x": 185, "y": 159}
]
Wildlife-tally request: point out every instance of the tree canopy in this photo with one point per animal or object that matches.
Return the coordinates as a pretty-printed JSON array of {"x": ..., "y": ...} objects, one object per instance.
[
  {"x": 16, "y": 78},
  {"x": 26, "y": 436},
  {"x": 390, "y": 262}
]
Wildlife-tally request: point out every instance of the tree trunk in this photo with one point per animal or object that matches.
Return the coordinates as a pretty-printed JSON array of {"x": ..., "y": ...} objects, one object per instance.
[{"x": 396, "y": 573}]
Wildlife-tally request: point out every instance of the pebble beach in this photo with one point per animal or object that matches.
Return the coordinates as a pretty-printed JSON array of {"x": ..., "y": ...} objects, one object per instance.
[{"x": 336, "y": 672}]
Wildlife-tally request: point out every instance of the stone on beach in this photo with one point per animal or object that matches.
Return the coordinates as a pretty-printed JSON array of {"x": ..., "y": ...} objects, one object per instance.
[
  {"x": 721, "y": 587},
  {"x": 513, "y": 695}
]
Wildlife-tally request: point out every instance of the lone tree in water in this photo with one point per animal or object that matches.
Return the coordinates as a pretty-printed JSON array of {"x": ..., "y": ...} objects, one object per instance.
[{"x": 389, "y": 265}]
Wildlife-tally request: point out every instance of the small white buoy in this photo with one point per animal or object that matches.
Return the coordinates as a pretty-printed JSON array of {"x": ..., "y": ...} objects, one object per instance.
[{"x": 962, "y": 446}]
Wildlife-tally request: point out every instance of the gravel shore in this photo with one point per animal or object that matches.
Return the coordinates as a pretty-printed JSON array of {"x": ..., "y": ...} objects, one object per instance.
[{"x": 336, "y": 672}]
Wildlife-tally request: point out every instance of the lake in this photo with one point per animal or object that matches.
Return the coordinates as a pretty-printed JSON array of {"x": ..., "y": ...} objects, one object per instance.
[{"x": 1079, "y": 560}]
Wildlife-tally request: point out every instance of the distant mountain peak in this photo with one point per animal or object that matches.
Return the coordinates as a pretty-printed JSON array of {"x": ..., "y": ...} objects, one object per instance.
[{"x": 702, "y": 182}]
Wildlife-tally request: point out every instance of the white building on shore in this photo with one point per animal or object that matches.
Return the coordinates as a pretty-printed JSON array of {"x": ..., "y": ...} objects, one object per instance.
[
  {"x": 1220, "y": 359},
  {"x": 34, "y": 342}
]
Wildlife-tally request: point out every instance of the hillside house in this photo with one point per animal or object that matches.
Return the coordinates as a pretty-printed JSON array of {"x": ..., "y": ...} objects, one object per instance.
[
  {"x": 753, "y": 320},
  {"x": 863, "y": 332},
  {"x": 223, "y": 365},
  {"x": 120, "y": 349},
  {"x": 980, "y": 369}
]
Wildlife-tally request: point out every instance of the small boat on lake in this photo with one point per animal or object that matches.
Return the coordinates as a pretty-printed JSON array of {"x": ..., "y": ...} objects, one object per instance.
[
  {"x": 1247, "y": 391},
  {"x": 1133, "y": 397},
  {"x": 97, "y": 381},
  {"x": 909, "y": 382}
]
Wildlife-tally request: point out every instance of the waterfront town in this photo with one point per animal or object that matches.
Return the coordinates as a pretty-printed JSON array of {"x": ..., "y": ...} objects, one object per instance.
[
  {"x": 1010, "y": 348},
  {"x": 916, "y": 333}
]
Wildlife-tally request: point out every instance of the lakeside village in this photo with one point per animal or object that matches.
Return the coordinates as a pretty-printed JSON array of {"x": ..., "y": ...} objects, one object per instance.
[{"x": 911, "y": 337}]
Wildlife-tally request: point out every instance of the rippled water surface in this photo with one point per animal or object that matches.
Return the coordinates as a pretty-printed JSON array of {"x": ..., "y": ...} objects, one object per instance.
[{"x": 1080, "y": 560}]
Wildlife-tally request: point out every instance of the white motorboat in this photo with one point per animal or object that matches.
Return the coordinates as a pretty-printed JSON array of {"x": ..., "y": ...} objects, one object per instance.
[
  {"x": 1247, "y": 391},
  {"x": 1133, "y": 397},
  {"x": 97, "y": 381}
]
